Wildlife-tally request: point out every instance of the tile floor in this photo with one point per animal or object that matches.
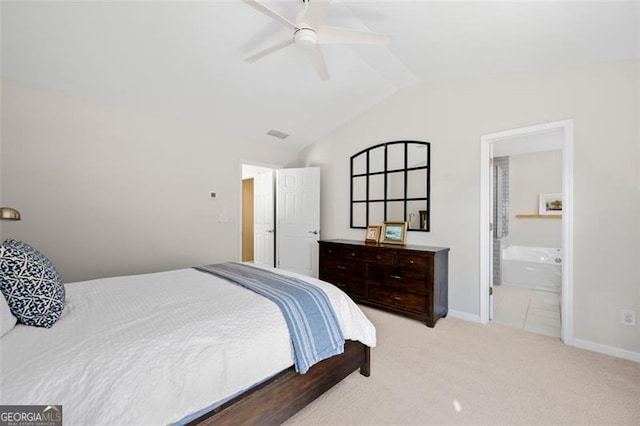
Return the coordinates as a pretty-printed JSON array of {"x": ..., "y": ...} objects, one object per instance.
[{"x": 527, "y": 309}]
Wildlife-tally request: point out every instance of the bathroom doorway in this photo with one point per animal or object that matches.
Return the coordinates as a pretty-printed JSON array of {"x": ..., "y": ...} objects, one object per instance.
[
  {"x": 526, "y": 255},
  {"x": 527, "y": 246}
]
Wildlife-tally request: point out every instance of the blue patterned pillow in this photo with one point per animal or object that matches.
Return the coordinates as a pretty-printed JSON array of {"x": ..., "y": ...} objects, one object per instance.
[{"x": 31, "y": 284}]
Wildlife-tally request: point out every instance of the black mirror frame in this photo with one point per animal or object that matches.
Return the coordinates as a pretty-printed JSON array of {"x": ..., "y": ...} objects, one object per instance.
[{"x": 425, "y": 216}]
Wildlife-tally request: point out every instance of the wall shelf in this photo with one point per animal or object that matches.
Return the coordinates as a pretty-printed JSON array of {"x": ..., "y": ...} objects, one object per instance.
[{"x": 539, "y": 216}]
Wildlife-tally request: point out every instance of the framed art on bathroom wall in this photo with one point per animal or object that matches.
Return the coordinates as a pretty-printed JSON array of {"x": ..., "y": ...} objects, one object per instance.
[{"x": 550, "y": 204}]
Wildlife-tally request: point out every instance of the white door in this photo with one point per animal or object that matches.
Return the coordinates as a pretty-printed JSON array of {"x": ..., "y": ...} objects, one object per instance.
[
  {"x": 298, "y": 219},
  {"x": 263, "y": 217}
]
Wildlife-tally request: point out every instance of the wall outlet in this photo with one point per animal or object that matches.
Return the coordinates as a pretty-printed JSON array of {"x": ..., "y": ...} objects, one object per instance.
[{"x": 627, "y": 317}]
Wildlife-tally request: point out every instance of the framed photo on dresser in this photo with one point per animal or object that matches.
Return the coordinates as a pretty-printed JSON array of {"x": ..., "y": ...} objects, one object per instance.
[
  {"x": 394, "y": 232},
  {"x": 373, "y": 234}
]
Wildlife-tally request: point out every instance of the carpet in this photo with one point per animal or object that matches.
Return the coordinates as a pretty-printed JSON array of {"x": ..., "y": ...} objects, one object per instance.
[{"x": 466, "y": 373}]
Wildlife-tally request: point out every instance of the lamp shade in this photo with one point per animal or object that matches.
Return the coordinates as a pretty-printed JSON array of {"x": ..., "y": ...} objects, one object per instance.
[{"x": 7, "y": 213}]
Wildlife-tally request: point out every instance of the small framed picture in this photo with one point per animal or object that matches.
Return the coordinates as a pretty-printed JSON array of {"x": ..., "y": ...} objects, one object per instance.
[
  {"x": 373, "y": 234},
  {"x": 550, "y": 204},
  {"x": 394, "y": 232}
]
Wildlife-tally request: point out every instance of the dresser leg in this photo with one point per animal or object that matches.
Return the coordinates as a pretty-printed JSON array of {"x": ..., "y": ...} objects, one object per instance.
[{"x": 431, "y": 322}]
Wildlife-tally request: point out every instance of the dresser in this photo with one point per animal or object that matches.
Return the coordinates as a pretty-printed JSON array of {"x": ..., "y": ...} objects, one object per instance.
[{"x": 408, "y": 280}]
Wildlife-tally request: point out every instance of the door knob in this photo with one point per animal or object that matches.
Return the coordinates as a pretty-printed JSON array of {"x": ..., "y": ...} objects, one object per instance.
[
  {"x": 270, "y": 231},
  {"x": 313, "y": 232}
]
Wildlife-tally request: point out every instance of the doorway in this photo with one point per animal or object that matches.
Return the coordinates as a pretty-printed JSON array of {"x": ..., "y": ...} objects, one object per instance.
[
  {"x": 539, "y": 138},
  {"x": 281, "y": 221},
  {"x": 249, "y": 173}
]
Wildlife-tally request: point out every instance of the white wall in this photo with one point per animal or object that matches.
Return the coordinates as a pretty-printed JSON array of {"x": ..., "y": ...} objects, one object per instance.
[
  {"x": 105, "y": 191},
  {"x": 453, "y": 114},
  {"x": 530, "y": 175}
]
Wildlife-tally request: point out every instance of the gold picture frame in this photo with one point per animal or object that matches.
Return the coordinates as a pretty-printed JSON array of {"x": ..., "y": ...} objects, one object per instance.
[
  {"x": 394, "y": 232},
  {"x": 373, "y": 234}
]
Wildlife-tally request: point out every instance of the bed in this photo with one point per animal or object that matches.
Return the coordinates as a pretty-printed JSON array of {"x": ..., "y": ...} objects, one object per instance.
[{"x": 176, "y": 347}]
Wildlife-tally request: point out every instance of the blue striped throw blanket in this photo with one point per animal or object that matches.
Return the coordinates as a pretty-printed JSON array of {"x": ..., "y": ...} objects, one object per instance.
[{"x": 314, "y": 329}]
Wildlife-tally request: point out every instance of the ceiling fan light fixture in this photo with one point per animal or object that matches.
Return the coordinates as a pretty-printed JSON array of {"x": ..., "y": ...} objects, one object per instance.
[{"x": 306, "y": 38}]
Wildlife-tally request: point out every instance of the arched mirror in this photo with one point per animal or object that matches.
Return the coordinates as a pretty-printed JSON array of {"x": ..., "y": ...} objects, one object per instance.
[{"x": 391, "y": 182}]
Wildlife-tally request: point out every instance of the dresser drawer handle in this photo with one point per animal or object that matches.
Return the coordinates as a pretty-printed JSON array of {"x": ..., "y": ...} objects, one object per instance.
[
  {"x": 330, "y": 251},
  {"x": 412, "y": 261},
  {"x": 342, "y": 267},
  {"x": 396, "y": 297},
  {"x": 396, "y": 277},
  {"x": 353, "y": 254},
  {"x": 379, "y": 257}
]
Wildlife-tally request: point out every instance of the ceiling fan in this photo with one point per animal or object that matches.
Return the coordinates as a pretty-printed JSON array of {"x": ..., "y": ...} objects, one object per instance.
[{"x": 309, "y": 32}]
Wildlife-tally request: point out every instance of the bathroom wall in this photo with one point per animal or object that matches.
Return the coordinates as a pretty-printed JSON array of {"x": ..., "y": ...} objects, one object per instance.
[{"x": 530, "y": 175}]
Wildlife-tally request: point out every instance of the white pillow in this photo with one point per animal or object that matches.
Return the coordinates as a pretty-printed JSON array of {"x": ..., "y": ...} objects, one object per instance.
[{"x": 7, "y": 320}]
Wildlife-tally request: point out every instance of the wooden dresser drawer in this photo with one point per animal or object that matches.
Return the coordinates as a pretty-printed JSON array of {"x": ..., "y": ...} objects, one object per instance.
[
  {"x": 349, "y": 286},
  {"x": 339, "y": 267},
  {"x": 398, "y": 299},
  {"x": 378, "y": 257},
  {"x": 404, "y": 279},
  {"x": 330, "y": 250},
  {"x": 400, "y": 278},
  {"x": 413, "y": 261},
  {"x": 354, "y": 253}
]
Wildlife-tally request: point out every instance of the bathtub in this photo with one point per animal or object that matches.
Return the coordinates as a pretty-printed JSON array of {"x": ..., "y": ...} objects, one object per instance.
[{"x": 539, "y": 268}]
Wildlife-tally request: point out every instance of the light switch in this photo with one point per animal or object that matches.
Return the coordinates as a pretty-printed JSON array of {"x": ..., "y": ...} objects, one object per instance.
[{"x": 224, "y": 215}]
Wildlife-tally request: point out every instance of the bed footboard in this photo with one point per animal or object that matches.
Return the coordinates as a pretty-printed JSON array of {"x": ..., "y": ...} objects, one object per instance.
[{"x": 277, "y": 399}]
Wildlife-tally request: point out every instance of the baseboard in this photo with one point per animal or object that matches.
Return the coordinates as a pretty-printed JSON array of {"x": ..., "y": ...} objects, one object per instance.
[
  {"x": 464, "y": 316},
  {"x": 607, "y": 350}
]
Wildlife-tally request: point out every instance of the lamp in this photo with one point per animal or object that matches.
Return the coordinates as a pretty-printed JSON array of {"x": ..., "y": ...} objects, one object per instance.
[{"x": 7, "y": 213}]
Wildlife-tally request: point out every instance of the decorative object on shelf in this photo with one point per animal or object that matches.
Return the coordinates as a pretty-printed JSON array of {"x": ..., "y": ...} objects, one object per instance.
[
  {"x": 550, "y": 204},
  {"x": 373, "y": 234},
  {"x": 391, "y": 181},
  {"x": 394, "y": 232},
  {"x": 423, "y": 219},
  {"x": 8, "y": 213}
]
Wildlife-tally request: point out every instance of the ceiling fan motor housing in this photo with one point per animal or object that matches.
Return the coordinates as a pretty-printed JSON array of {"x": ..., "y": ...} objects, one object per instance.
[{"x": 306, "y": 38}]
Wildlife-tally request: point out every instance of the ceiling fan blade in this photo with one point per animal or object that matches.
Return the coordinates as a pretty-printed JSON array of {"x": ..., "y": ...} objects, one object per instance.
[
  {"x": 335, "y": 35},
  {"x": 317, "y": 60},
  {"x": 259, "y": 7},
  {"x": 268, "y": 50},
  {"x": 315, "y": 12}
]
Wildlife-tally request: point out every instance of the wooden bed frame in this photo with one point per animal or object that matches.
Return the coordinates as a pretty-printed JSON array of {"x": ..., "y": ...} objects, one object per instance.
[{"x": 277, "y": 399}]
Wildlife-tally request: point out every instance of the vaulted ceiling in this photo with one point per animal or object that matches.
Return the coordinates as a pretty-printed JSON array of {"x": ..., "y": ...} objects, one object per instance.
[{"x": 185, "y": 59}]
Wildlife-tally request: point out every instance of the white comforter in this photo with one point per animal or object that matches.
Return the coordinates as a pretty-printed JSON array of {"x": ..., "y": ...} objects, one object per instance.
[{"x": 154, "y": 348}]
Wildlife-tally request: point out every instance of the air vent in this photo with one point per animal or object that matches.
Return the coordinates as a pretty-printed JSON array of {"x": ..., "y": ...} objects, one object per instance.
[{"x": 277, "y": 134}]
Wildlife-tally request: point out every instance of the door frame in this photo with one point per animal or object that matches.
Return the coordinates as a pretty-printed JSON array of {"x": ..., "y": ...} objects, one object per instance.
[{"x": 566, "y": 126}]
